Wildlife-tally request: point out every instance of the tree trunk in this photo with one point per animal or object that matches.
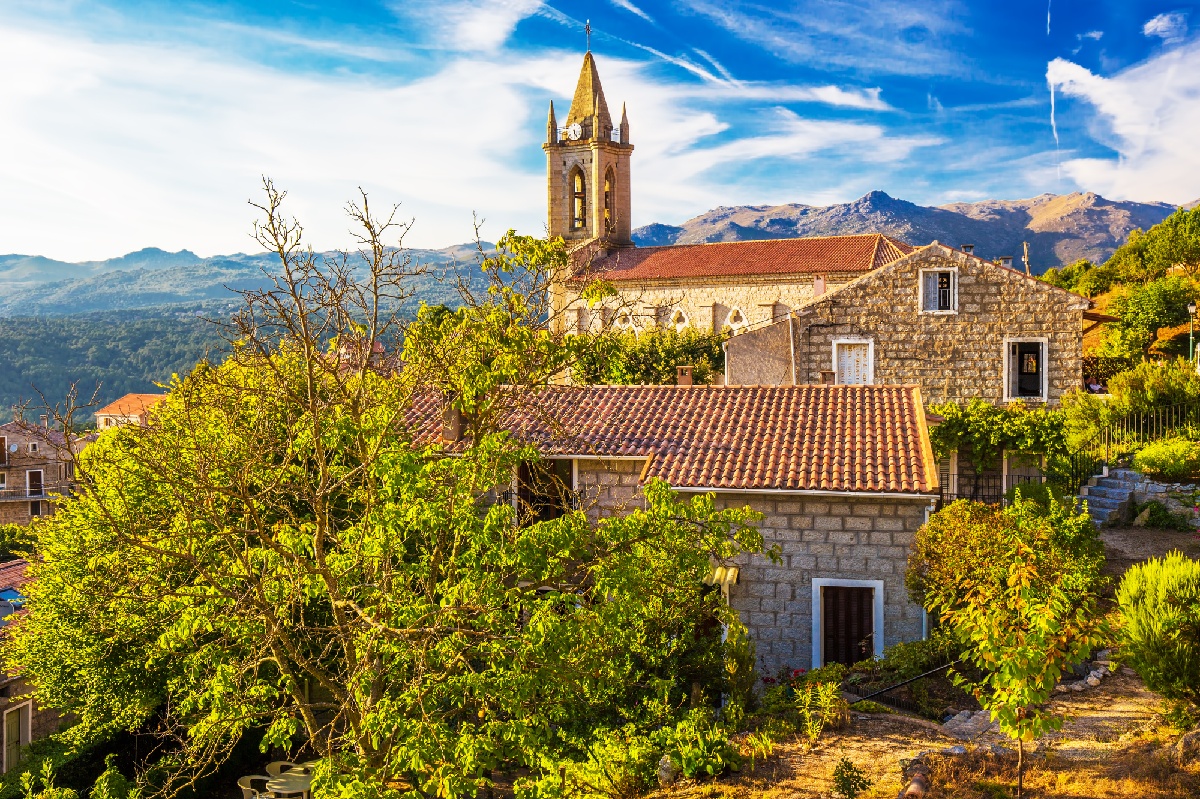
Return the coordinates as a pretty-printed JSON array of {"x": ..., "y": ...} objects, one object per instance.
[{"x": 1020, "y": 764}]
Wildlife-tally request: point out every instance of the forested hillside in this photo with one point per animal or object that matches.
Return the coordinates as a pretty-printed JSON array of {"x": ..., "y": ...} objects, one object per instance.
[{"x": 118, "y": 351}]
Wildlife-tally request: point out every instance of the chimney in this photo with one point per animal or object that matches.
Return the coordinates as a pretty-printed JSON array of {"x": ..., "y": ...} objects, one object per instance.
[
  {"x": 683, "y": 375},
  {"x": 454, "y": 424},
  {"x": 818, "y": 285},
  {"x": 827, "y": 377},
  {"x": 45, "y": 420},
  {"x": 969, "y": 249},
  {"x": 1005, "y": 261}
]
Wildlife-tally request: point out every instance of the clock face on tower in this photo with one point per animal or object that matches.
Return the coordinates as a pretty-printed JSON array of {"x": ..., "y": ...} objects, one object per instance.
[{"x": 574, "y": 131}]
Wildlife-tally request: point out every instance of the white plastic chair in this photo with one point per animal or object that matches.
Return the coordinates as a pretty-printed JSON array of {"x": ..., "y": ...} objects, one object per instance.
[{"x": 280, "y": 766}]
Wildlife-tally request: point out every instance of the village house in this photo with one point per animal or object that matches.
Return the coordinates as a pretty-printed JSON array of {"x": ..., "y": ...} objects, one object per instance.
[
  {"x": 843, "y": 475},
  {"x": 23, "y": 720},
  {"x": 34, "y": 466},
  {"x": 958, "y": 326},
  {"x": 706, "y": 286},
  {"x": 129, "y": 409}
]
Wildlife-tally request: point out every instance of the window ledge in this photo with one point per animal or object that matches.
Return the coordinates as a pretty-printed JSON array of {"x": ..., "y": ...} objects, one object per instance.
[{"x": 938, "y": 313}]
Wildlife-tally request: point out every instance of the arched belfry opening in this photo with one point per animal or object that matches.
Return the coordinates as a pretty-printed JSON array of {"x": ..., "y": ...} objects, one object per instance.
[
  {"x": 578, "y": 199},
  {"x": 587, "y": 167},
  {"x": 610, "y": 188}
]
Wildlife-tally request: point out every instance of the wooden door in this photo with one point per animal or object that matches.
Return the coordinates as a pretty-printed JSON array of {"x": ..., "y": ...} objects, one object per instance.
[
  {"x": 853, "y": 363},
  {"x": 35, "y": 482},
  {"x": 847, "y": 624},
  {"x": 12, "y": 738}
]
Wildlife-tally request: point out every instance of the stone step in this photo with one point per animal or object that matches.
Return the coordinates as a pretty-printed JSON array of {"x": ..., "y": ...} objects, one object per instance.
[
  {"x": 1114, "y": 492},
  {"x": 1106, "y": 503}
]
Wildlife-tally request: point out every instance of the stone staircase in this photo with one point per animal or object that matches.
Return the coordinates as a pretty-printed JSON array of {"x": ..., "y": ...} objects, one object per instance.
[{"x": 1109, "y": 495}]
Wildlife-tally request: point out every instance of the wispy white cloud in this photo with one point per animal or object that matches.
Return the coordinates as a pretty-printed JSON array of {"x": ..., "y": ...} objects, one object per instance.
[
  {"x": 726, "y": 74},
  {"x": 893, "y": 37},
  {"x": 470, "y": 25},
  {"x": 1148, "y": 114},
  {"x": 1170, "y": 27},
  {"x": 626, "y": 5}
]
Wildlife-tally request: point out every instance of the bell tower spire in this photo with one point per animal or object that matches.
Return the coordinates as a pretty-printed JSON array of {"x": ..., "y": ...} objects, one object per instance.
[{"x": 587, "y": 171}]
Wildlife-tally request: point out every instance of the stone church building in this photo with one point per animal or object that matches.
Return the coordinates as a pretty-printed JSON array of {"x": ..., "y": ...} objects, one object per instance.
[{"x": 737, "y": 285}]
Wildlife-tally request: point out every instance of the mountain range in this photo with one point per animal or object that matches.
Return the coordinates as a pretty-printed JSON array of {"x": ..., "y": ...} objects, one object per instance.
[{"x": 1060, "y": 229}]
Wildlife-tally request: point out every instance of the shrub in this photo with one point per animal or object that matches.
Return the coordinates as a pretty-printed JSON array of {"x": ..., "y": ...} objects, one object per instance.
[
  {"x": 16, "y": 541},
  {"x": 912, "y": 658},
  {"x": 820, "y": 704},
  {"x": 1155, "y": 384},
  {"x": 620, "y": 765},
  {"x": 699, "y": 746},
  {"x": 848, "y": 780},
  {"x": 1170, "y": 459},
  {"x": 966, "y": 546},
  {"x": 1159, "y": 602},
  {"x": 648, "y": 358}
]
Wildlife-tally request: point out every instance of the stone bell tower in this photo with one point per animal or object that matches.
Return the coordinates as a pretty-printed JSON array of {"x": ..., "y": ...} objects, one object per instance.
[{"x": 587, "y": 167}]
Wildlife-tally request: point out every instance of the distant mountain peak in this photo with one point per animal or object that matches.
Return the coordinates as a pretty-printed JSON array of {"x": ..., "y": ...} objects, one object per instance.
[{"x": 1060, "y": 229}]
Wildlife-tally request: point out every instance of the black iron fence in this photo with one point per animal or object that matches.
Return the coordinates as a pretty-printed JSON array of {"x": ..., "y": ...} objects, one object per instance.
[
  {"x": 989, "y": 489},
  {"x": 1126, "y": 435}
]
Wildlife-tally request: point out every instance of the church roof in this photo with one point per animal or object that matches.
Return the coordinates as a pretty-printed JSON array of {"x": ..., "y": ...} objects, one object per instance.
[
  {"x": 589, "y": 96},
  {"x": 745, "y": 438},
  {"x": 812, "y": 255}
]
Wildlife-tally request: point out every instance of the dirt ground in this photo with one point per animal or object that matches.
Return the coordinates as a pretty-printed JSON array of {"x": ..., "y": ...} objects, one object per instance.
[{"x": 1125, "y": 546}]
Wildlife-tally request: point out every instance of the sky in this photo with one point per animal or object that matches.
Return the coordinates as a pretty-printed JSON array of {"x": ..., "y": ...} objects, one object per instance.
[{"x": 130, "y": 123}]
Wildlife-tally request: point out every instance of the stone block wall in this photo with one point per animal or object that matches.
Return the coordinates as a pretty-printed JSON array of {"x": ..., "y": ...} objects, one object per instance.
[
  {"x": 706, "y": 302},
  {"x": 43, "y": 722},
  {"x": 819, "y": 537},
  {"x": 950, "y": 356}
]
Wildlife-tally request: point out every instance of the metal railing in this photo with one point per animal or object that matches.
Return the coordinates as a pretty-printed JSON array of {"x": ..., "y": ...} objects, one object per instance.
[
  {"x": 989, "y": 489},
  {"x": 1135, "y": 430},
  {"x": 45, "y": 491}
]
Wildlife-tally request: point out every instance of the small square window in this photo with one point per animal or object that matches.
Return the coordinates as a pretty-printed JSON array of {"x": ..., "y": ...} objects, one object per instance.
[
  {"x": 33, "y": 447},
  {"x": 939, "y": 291}
]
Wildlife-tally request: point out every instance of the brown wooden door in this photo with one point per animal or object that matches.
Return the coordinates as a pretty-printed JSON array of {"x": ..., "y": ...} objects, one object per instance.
[
  {"x": 847, "y": 624},
  {"x": 34, "y": 478}
]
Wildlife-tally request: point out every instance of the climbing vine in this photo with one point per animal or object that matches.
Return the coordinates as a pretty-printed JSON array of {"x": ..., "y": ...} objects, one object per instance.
[{"x": 986, "y": 430}]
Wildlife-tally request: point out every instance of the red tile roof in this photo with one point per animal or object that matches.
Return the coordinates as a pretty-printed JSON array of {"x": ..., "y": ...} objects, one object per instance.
[
  {"x": 797, "y": 438},
  {"x": 813, "y": 255},
  {"x": 14, "y": 574},
  {"x": 131, "y": 405}
]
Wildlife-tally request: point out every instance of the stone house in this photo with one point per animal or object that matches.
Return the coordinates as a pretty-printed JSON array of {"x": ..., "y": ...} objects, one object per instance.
[
  {"x": 843, "y": 475},
  {"x": 589, "y": 200},
  {"x": 34, "y": 465},
  {"x": 22, "y": 720},
  {"x": 958, "y": 326},
  {"x": 129, "y": 409}
]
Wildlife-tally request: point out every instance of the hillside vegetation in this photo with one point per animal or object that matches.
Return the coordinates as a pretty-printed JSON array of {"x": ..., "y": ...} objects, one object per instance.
[{"x": 119, "y": 352}]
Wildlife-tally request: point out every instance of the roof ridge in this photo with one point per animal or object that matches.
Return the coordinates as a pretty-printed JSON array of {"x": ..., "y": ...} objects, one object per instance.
[{"x": 763, "y": 241}]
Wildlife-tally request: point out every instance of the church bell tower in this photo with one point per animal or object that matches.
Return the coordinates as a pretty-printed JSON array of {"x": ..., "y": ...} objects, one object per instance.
[{"x": 587, "y": 167}]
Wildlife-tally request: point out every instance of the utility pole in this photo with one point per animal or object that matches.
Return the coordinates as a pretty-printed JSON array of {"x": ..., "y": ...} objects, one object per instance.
[{"x": 1025, "y": 257}]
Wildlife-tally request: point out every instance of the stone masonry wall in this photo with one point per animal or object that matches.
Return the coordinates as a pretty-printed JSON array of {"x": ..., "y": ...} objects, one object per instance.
[
  {"x": 950, "y": 356},
  {"x": 707, "y": 302},
  {"x": 819, "y": 537}
]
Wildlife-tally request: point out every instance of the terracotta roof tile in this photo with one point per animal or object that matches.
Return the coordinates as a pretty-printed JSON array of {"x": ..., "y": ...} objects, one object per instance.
[
  {"x": 798, "y": 438},
  {"x": 131, "y": 404},
  {"x": 14, "y": 574},
  {"x": 813, "y": 255}
]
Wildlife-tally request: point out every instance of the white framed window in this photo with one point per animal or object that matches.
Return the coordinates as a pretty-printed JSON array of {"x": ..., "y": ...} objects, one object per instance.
[
  {"x": 1026, "y": 365},
  {"x": 820, "y": 608},
  {"x": 34, "y": 483},
  {"x": 854, "y": 361},
  {"x": 3, "y": 450},
  {"x": 33, "y": 447},
  {"x": 17, "y": 723},
  {"x": 35, "y": 509},
  {"x": 679, "y": 320},
  {"x": 736, "y": 321},
  {"x": 3, "y": 481},
  {"x": 939, "y": 291}
]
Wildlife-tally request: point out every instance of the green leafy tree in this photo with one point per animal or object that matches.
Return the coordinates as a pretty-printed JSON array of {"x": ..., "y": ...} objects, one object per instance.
[
  {"x": 276, "y": 553},
  {"x": 1144, "y": 310},
  {"x": 649, "y": 357},
  {"x": 16, "y": 541},
  {"x": 966, "y": 548},
  {"x": 1175, "y": 242},
  {"x": 1022, "y": 636}
]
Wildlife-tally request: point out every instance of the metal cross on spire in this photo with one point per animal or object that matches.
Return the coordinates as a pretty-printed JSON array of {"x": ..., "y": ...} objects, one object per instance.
[{"x": 587, "y": 28}]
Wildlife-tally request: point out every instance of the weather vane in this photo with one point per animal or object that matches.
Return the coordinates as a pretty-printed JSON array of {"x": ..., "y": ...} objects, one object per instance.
[{"x": 587, "y": 28}]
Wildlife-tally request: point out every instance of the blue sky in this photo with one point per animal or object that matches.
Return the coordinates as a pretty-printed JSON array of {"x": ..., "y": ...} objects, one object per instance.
[{"x": 134, "y": 123}]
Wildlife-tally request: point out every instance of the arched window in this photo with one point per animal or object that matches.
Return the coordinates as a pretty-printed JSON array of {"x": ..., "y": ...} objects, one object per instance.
[
  {"x": 679, "y": 321},
  {"x": 624, "y": 322},
  {"x": 610, "y": 189},
  {"x": 578, "y": 200},
  {"x": 736, "y": 321}
]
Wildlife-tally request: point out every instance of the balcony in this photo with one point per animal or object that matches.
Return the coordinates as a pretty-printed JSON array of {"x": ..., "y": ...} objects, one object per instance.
[{"x": 44, "y": 492}]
